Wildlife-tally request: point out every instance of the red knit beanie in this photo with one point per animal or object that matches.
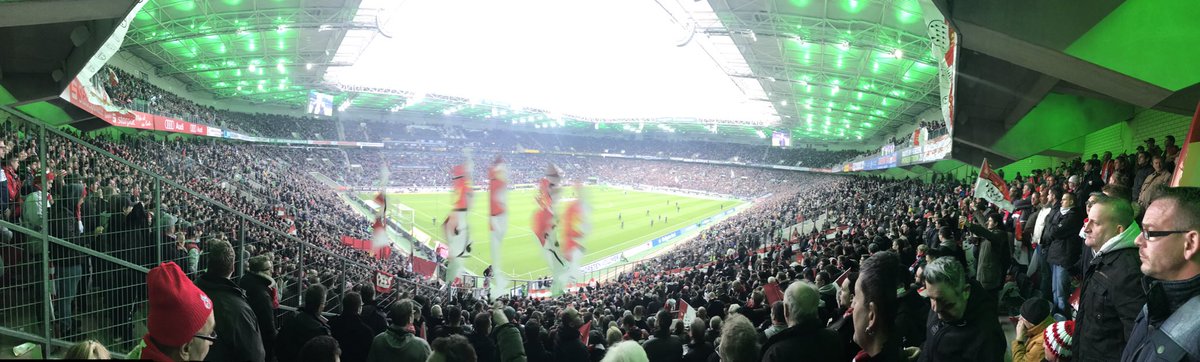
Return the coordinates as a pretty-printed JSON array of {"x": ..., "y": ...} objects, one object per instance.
[
  {"x": 1058, "y": 340},
  {"x": 178, "y": 309}
]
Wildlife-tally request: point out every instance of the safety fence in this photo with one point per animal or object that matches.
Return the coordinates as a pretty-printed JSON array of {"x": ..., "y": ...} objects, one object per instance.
[{"x": 85, "y": 220}]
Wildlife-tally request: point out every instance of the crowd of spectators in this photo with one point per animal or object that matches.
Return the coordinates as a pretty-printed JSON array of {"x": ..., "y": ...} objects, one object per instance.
[
  {"x": 420, "y": 169},
  {"x": 895, "y": 268},
  {"x": 129, "y": 91},
  {"x": 427, "y": 137}
]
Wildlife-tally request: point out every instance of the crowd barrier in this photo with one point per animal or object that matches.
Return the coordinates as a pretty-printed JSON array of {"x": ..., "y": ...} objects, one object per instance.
[{"x": 79, "y": 273}]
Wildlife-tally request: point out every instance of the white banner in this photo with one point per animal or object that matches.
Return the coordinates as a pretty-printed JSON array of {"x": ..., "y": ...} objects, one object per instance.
[{"x": 944, "y": 40}]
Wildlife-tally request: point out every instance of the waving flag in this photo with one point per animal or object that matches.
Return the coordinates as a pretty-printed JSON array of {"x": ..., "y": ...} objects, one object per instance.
[
  {"x": 686, "y": 312},
  {"x": 455, "y": 225},
  {"x": 576, "y": 229},
  {"x": 498, "y": 222},
  {"x": 379, "y": 236},
  {"x": 992, "y": 188},
  {"x": 1184, "y": 176},
  {"x": 543, "y": 219}
]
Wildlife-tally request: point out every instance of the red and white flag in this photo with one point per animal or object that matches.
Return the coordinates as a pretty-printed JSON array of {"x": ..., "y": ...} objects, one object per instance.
[
  {"x": 1183, "y": 175},
  {"x": 544, "y": 224},
  {"x": 686, "y": 312},
  {"x": 455, "y": 226},
  {"x": 992, "y": 188},
  {"x": 575, "y": 230},
  {"x": 498, "y": 222},
  {"x": 379, "y": 236}
]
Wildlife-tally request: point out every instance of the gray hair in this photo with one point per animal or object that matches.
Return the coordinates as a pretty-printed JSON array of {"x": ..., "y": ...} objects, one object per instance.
[
  {"x": 945, "y": 271},
  {"x": 801, "y": 300},
  {"x": 627, "y": 351},
  {"x": 739, "y": 341}
]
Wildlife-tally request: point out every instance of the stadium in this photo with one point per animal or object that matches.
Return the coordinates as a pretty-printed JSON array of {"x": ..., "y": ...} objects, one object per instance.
[{"x": 739, "y": 180}]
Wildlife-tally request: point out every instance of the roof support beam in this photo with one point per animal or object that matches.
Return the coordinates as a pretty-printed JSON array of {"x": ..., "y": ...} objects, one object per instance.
[{"x": 1059, "y": 65}]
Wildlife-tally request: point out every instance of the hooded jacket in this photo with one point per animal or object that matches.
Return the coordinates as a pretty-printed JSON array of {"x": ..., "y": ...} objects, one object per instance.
[
  {"x": 259, "y": 296},
  {"x": 398, "y": 344},
  {"x": 1032, "y": 349},
  {"x": 1109, "y": 299}
]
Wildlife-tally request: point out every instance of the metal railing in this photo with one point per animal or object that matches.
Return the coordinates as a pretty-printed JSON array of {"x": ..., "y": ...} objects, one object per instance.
[{"x": 75, "y": 266}]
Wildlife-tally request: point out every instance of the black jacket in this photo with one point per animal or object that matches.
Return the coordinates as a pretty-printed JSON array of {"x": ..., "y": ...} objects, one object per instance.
[
  {"x": 258, "y": 296},
  {"x": 535, "y": 351},
  {"x": 374, "y": 317},
  {"x": 64, "y": 225},
  {"x": 353, "y": 336},
  {"x": 1065, "y": 244},
  {"x": 698, "y": 352},
  {"x": 296, "y": 331},
  {"x": 975, "y": 337},
  {"x": 485, "y": 348},
  {"x": 809, "y": 339},
  {"x": 663, "y": 347},
  {"x": 569, "y": 347},
  {"x": 1109, "y": 301},
  {"x": 1163, "y": 301},
  {"x": 911, "y": 318},
  {"x": 239, "y": 338}
]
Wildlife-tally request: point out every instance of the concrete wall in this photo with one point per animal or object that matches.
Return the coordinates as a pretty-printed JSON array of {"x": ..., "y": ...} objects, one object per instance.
[{"x": 1122, "y": 137}]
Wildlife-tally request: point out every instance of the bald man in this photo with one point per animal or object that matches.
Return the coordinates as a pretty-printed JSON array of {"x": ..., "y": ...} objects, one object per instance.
[{"x": 806, "y": 334}]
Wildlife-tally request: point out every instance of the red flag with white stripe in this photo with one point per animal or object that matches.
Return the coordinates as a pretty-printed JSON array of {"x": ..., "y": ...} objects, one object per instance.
[
  {"x": 498, "y": 222},
  {"x": 992, "y": 188}
]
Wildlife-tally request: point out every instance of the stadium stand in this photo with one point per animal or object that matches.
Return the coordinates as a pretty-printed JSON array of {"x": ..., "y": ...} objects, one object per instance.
[{"x": 143, "y": 243}]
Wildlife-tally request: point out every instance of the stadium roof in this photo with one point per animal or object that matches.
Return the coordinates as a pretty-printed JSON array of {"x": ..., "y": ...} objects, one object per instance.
[
  {"x": 260, "y": 51},
  {"x": 826, "y": 70}
]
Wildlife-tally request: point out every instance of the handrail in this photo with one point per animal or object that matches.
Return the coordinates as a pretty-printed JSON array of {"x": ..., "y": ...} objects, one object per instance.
[
  {"x": 160, "y": 178},
  {"x": 73, "y": 246}
]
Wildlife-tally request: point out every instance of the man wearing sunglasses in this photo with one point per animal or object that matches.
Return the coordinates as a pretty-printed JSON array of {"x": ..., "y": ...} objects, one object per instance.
[{"x": 1168, "y": 327}]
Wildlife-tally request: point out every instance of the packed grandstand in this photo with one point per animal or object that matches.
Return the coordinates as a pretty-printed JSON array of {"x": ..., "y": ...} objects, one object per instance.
[{"x": 150, "y": 211}]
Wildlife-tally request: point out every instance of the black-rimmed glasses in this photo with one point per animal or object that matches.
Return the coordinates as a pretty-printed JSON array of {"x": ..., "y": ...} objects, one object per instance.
[
  {"x": 211, "y": 337},
  {"x": 1147, "y": 234}
]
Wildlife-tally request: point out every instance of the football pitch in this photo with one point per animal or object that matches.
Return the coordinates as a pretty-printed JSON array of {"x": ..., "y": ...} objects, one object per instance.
[{"x": 620, "y": 219}]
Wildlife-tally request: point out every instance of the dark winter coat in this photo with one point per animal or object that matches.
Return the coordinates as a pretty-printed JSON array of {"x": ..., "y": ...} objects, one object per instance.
[
  {"x": 258, "y": 296},
  {"x": 354, "y": 336},
  {"x": 1065, "y": 244},
  {"x": 374, "y": 317},
  {"x": 569, "y": 347},
  {"x": 975, "y": 337},
  {"x": 809, "y": 339},
  {"x": 295, "y": 332},
  {"x": 1164, "y": 300},
  {"x": 664, "y": 347},
  {"x": 239, "y": 337},
  {"x": 698, "y": 352},
  {"x": 1109, "y": 301}
]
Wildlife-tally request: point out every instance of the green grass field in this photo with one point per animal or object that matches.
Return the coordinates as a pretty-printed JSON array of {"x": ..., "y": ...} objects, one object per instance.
[{"x": 520, "y": 257}]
